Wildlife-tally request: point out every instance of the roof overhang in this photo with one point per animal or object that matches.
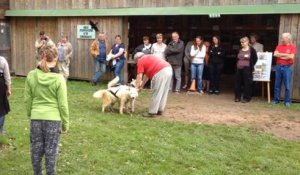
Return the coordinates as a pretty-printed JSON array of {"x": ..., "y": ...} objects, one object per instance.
[{"x": 292, "y": 8}]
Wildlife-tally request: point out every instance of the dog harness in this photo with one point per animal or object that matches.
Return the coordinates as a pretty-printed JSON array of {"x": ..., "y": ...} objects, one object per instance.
[
  {"x": 118, "y": 85},
  {"x": 114, "y": 93}
]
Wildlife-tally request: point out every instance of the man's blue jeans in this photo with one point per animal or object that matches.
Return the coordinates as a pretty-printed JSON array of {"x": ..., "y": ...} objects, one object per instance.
[
  {"x": 2, "y": 118},
  {"x": 118, "y": 69},
  {"x": 283, "y": 74},
  {"x": 196, "y": 74},
  {"x": 100, "y": 69}
]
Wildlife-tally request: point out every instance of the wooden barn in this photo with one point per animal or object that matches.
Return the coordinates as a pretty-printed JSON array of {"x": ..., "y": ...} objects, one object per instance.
[{"x": 133, "y": 19}]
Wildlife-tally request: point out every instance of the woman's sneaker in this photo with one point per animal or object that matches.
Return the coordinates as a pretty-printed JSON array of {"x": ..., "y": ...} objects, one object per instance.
[{"x": 201, "y": 92}]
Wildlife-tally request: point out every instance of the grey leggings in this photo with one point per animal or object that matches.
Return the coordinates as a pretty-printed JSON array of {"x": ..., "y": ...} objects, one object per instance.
[{"x": 44, "y": 139}]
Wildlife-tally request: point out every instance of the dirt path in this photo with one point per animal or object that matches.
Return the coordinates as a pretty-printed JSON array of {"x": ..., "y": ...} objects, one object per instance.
[{"x": 220, "y": 109}]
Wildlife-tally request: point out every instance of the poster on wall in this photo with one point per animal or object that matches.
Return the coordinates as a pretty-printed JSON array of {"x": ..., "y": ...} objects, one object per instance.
[
  {"x": 85, "y": 32},
  {"x": 262, "y": 68}
]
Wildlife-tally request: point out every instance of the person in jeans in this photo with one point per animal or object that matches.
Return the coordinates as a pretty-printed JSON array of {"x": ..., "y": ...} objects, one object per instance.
[
  {"x": 198, "y": 52},
  {"x": 99, "y": 50},
  {"x": 5, "y": 82},
  {"x": 118, "y": 54},
  {"x": 246, "y": 60},
  {"x": 216, "y": 63},
  {"x": 285, "y": 54},
  {"x": 174, "y": 55},
  {"x": 47, "y": 107},
  {"x": 187, "y": 63},
  {"x": 160, "y": 73},
  {"x": 158, "y": 48},
  {"x": 205, "y": 76},
  {"x": 65, "y": 53}
]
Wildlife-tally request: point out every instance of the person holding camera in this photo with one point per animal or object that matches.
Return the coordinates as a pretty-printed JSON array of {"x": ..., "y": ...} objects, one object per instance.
[{"x": 43, "y": 41}]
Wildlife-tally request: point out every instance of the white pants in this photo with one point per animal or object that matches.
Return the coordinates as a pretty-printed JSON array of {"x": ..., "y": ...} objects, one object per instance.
[
  {"x": 160, "y": 88},
  {"x": 63, "y": 67}
]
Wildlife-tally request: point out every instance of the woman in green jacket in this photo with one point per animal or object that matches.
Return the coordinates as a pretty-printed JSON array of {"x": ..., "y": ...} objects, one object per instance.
[{"x": 47, "y": 107}]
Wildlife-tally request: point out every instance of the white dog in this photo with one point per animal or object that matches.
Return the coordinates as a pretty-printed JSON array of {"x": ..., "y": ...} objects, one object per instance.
[
  {"x": 110, "y": 57},
  {"x": 122, "y": 94}
]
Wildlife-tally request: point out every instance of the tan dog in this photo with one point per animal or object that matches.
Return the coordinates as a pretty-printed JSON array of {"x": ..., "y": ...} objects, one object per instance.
[{"x": 122, "y": 94}]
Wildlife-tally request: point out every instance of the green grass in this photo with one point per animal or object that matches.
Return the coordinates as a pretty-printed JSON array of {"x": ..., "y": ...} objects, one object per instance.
[{"x": 130, "y": 144}]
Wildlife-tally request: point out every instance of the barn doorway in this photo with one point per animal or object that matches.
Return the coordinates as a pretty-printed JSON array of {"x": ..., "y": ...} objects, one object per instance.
[{"x": 230, "y": 28}]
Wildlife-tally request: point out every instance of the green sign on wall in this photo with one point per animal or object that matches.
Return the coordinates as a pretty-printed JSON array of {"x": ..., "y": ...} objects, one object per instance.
[{"x": 85, "y": 32}]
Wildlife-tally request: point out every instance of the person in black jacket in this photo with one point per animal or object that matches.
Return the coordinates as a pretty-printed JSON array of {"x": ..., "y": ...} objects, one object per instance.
[
  {"x": 5, "y": 92},
  {"x": 246, "y": 60},
  {"x": 174, "y": 55},
  {"x": 215, "y": 64},
  {"x": 145, "y": 47}
]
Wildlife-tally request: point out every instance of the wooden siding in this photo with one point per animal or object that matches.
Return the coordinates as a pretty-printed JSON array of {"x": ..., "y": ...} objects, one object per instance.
[
  {"x": 94, "y": 4},
  {"x": 82, "y": 65},
  {"x": 291, "y": 23},
  {"x": 4, "y": 5}
]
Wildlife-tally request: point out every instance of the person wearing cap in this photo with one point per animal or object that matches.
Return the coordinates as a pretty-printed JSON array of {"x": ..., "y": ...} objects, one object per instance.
[
  {"x": 47, "y": 107},
  {"x": 160, "y": 72},
  {"x": 5, "y": 82}
]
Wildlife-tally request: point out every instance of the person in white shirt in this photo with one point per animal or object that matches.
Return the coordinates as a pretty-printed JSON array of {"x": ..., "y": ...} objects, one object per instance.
[
  {"x": 198, "y": 52},
  {"x": 256, "y": 45},
  {"x": 158, "y": 48}
]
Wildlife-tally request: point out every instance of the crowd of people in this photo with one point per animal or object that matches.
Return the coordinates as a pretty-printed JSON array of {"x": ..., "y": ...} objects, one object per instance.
[
  {"x": 46, "y": 92},
  {"x": 202, "y": 62}
]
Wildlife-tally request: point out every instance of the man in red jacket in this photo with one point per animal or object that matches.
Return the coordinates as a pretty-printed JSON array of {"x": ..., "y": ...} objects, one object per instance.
[{"x": 160, "y": 73}]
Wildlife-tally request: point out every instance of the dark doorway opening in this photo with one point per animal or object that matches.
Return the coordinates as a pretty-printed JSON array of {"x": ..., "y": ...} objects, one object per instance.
[{"x": 230, "y": 28}]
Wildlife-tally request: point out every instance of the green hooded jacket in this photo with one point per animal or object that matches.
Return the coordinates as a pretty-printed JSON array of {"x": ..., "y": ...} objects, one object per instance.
[{"x": 46, "y": 97}]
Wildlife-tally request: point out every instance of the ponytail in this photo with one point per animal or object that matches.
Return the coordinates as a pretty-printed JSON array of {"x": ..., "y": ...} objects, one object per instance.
[
  {"x": 43, "y": 66},
  {"x": 48, "y": 55}
]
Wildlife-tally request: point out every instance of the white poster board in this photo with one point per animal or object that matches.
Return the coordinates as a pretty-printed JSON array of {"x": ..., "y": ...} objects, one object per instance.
[
  {"x": 85, "y": 32},
  {"x": 262, "y": 68}
]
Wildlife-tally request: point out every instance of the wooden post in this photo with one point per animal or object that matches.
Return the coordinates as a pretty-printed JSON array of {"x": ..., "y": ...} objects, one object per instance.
[
  {"x": 263, "y": 89},
  {"x": 268, "y": 90}
]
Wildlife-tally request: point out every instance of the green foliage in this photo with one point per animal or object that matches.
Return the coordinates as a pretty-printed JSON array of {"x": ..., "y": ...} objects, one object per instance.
[{"x": 110, "y": 143}]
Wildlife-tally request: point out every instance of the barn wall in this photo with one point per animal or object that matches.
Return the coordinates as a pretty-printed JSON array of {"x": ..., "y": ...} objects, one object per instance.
[
  {"x": 82, "y": 66},
  {"x": 88, "y": 4},
  {"x": 4, "y": 32},
  {"x": 291, "y": 23}
]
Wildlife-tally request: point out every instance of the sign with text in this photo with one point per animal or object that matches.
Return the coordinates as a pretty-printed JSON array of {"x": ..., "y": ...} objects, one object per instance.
[
  {"x": 85, "y": 32},
  {"x": 262, "y": 68}
]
